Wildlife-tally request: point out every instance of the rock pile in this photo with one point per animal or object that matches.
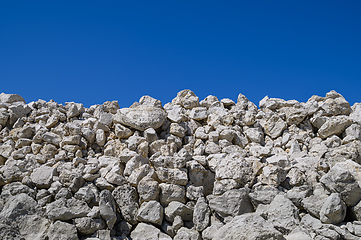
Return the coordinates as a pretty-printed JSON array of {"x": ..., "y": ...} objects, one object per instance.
[{"x": 188, "y": 170}]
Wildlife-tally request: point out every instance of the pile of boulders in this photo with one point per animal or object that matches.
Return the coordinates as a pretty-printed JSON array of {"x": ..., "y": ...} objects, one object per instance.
[{"x": 189, "y": 170}]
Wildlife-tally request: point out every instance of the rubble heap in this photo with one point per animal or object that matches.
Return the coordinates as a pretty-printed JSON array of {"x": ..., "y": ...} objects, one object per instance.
[{"x": 211, "y": 169}]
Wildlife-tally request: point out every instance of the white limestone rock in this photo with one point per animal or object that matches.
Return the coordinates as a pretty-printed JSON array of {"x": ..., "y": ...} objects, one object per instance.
[
  {"x": 333, "y": 210},
  {"x": 231, "y": 203},
  {"x": 151, "y": 212},
  {"x": 141, "y": 117},
  {"x": 149, "y": 232},
  {"x": 334, "y": 125},
  {"x": 248, "y": 226}
]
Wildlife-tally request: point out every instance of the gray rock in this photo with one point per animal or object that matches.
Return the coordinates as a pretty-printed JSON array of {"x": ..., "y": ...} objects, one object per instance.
[
  {"x": 151, "y": 212},
  {"x": 340, "y": 180},
  {"x": 198, "y": 113},
  {"x": 62, "y": 231},
  {"x": 11, "y": 98},
  {"x": 333, "y": 210},
  {"x": 64, "y": 210},
  {"x": 231, "y": 203},
  {"x": 63, "y": 193},
  {"x": 141, "y": 117},
  {"x": 87, "y": 225},
  {"x": 122, "y": 131},
  {"x": 147, "y": 231},
  {"x": 298, "y": 236},
  {"x": 297, "y": 194},
  {"x": 33, "y": 227},
  {"x": 171, "y": 192},
  {"x": 201, "y": 214},
  {"x": 18, "y": 205},
  {"x": 175, "y": 208},
  {"x": 248, "y": 226},
  {"x": 210, "y": 232},
  {"x": 282, "y": 213},
  {"x": 148, "y": 189},
  {"x": 8, "y": 231},
  {"x": 187, "y": 234},
  {"x": 356, "y": 211},
  {"x": 187, "y": 99},
  {"x": 172, "y": 176},
  {"x": 126, "y": 198},
  {"x": 274, "y": 126},
  {"x": 42, "y": 176},
  {"x": 334, "y": 125},
  {"x": 314, "y": 202},
  {"x": 107, "y": 208},
  {"x": 52, "y": 138},
  {"x": 263, "y": 194}
]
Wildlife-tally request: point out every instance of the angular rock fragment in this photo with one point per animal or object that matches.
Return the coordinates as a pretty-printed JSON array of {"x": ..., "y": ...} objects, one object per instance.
[
  {"x": 151, "y": 212},
  {"x": 141, "y": 117},
  {"x": 248, "y": 226},
  {"x": 231, "y": 203},
  {"x": 126, "y": 198}
]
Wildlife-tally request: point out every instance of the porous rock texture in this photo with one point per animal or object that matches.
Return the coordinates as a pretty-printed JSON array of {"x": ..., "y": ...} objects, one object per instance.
[{"x": 188, "y": 170}]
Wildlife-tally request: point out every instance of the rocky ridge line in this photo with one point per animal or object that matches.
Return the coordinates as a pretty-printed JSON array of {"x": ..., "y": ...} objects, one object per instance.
[{"x": 188, "y": 170}]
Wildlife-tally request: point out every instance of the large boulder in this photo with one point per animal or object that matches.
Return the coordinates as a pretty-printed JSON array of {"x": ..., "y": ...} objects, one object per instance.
[{"x": 140, "y": 117}]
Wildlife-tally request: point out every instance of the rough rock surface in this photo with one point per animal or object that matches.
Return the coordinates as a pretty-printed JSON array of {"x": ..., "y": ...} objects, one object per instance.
[{"x": 191, "y": 169}]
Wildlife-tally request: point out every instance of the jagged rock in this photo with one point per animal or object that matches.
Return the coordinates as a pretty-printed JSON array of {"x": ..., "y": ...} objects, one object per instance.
[
  {"x": 33, "y": 227},
  {"x": 333, "y": 210},
  {"x": 176, "y": 208},
  {"x": 141, "y": 117},
  {"x": 187, "y": 234},
  {"x": 87, "y": 225},
  {"x": 340, "y": 180},
  {"x": 148, "y": 189},
  {"x": 313, "y": 203},
  {"x": 282, "y": 213},
  {"x": 263, "y": 194},
  {"x": 62, "y": 231},
  {"x": 42, "y": 176},
  {"x": 11, "y": 98},
  {"x": 8, "y": 231},
  {"x": 231, "y": 203},
  {"x": 186, "y": 99},
  {"x": 201, "y": 214},
  {"x": 62, "y": 209},
  {"x": 248, "y": 226},
  {"x": 147, "y": 231},
  {"x": 334, "y": 125},
  {"x": 151, "y": 212},
  {"x": 199, "y": 167},
  {"x": 18, "y": 205},
  {"x": 171, "y": 192},
  {"x": 127, "y": 199},
  {"x": 107, "y": 208},
  {"x": 275, "y": 126}
]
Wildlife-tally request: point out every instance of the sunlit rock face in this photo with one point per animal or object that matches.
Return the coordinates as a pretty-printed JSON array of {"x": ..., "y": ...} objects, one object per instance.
[{"x": 190, "y": 169}]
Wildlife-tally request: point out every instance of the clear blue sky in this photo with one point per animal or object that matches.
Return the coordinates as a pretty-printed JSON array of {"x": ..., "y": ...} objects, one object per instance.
[{"x": 93, "y": 51}]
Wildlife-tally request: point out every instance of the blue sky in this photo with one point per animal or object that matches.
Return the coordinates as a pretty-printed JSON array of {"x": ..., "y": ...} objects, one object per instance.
[{"x": 94, "y": 51}]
